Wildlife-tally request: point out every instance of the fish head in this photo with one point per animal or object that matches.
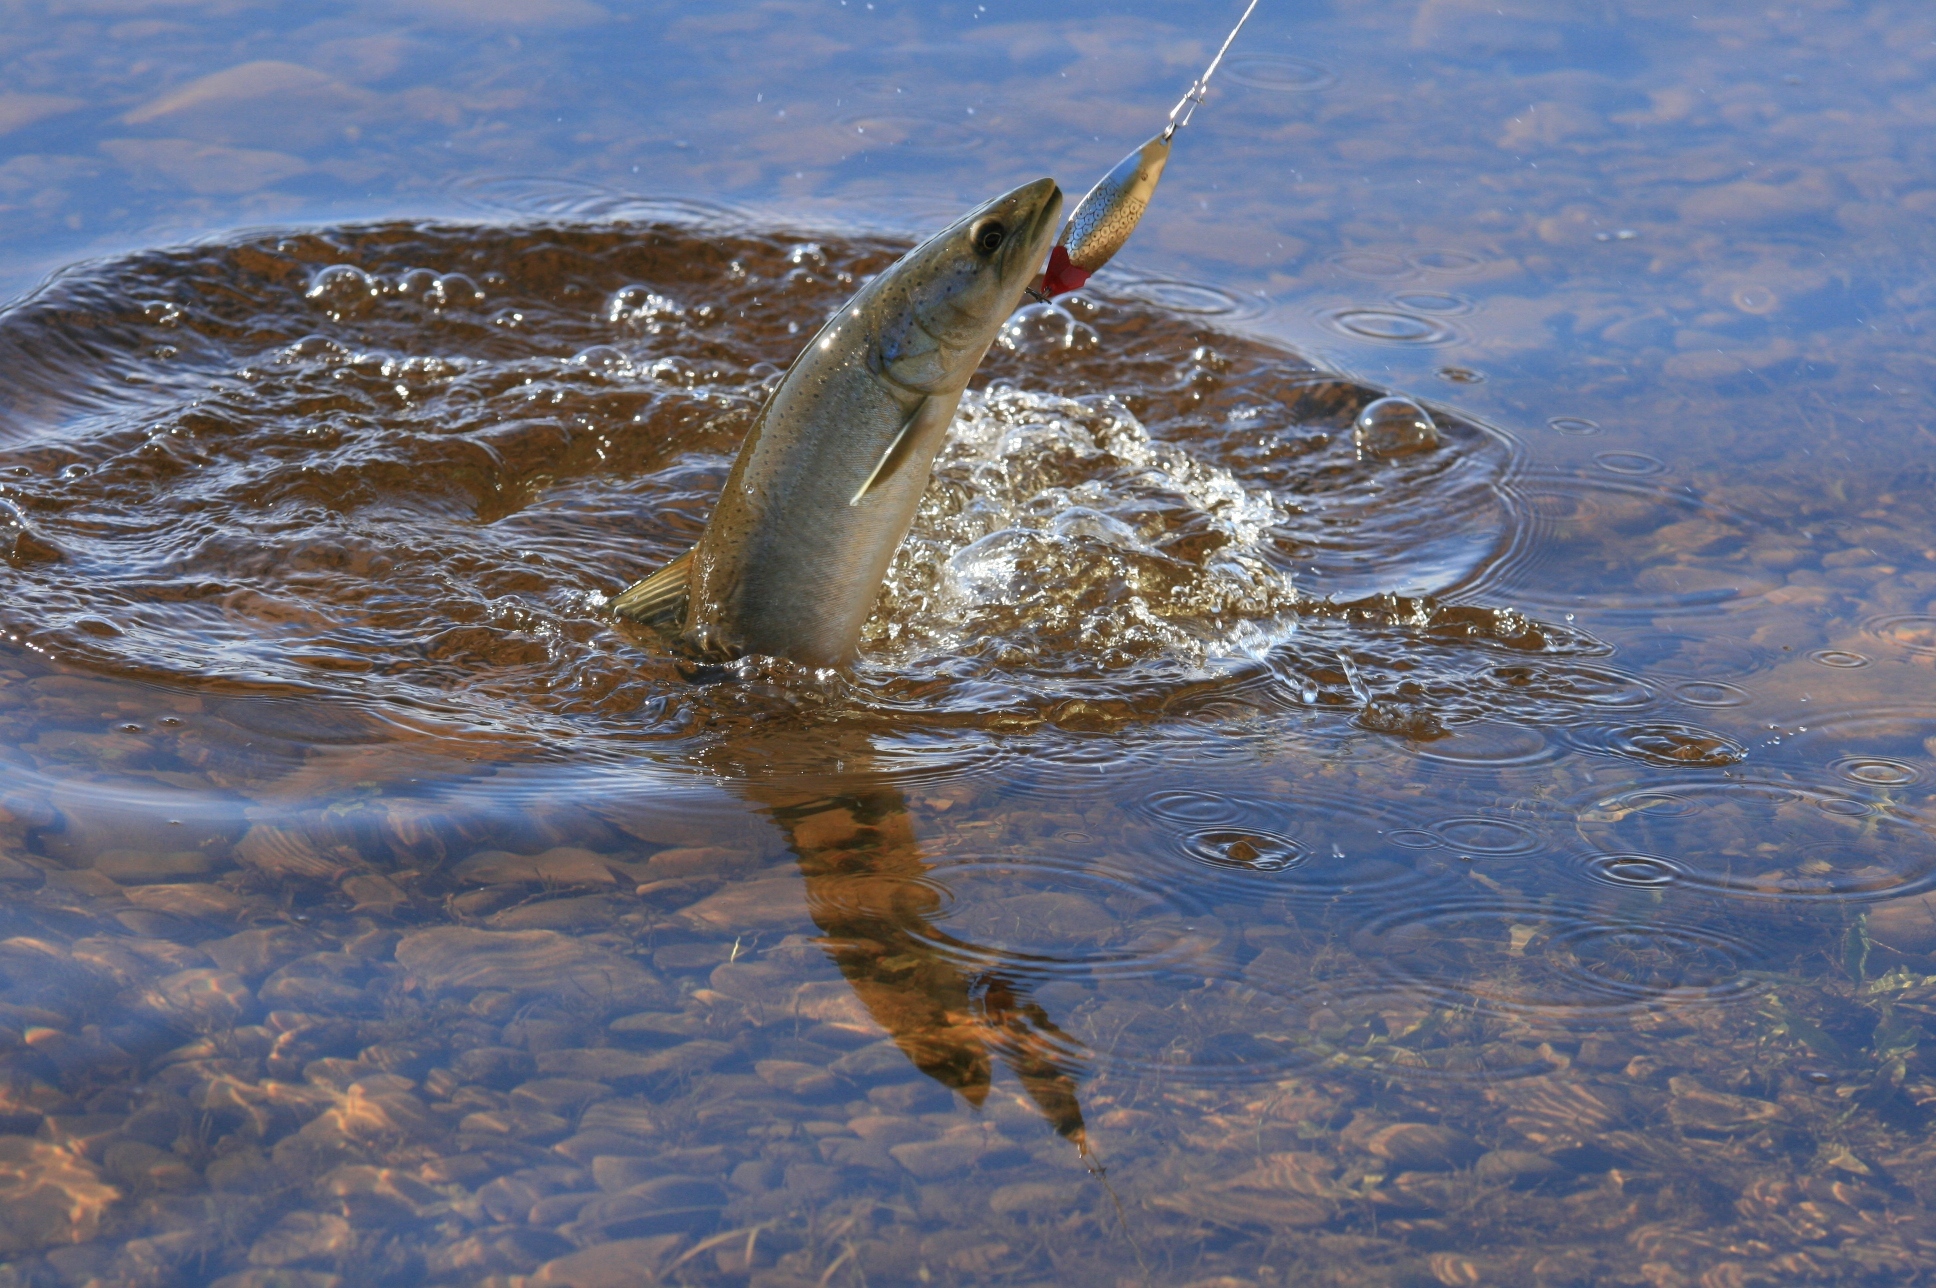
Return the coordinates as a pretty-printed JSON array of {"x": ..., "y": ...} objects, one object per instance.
[{"x": 939, "y": 309}]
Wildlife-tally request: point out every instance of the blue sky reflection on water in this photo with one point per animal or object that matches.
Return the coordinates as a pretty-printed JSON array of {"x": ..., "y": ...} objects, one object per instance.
[
  {"x": 1622, "y": 194},
  {"x": 1577, "y": 930}
]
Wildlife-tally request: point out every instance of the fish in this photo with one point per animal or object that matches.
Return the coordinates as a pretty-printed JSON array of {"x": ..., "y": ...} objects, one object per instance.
[{"x": 825, "y": 485}]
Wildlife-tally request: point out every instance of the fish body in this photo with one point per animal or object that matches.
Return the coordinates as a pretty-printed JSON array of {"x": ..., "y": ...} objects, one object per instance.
[{"x": 825, "y": 486}]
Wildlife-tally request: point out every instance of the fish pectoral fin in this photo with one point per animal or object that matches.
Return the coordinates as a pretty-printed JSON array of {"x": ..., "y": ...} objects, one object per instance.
[
  {"x": 659, "y": 600},
  {"x": 896, "y": 453}
]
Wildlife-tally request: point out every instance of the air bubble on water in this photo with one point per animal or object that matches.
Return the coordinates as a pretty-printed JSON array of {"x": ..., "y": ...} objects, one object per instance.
[
  {"x": 1394, "y": 427},
  {"x": 453, "y": 291},
  {"x": 314, "y": 348},
  {"x": 341, "y": 287},
  {"x": 1047, "y": 328},
  {"x": 415, "y": 282},
  {"x": 1081, "y": 521},
  {"x": 640, "y": 306},
  {"x": 603, "y": 359}
]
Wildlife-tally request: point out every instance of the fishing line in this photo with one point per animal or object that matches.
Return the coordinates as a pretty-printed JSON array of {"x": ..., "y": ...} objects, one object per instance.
[
  {"x": 1201, "y": 85},
  {"x": 1093, "y": 1161},
  {"x": 1104, "y": 219}
]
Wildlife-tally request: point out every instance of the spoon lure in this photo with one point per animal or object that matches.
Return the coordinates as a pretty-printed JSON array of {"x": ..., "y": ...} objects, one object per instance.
[{"x": 1105, "y": 218}]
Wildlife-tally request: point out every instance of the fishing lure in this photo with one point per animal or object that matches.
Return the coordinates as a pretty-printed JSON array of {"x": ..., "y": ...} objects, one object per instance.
[{"x": 1104, "y": 219}]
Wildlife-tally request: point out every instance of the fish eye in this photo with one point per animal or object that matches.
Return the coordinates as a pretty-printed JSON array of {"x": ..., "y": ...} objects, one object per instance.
[{"x": 989, "y": 235}]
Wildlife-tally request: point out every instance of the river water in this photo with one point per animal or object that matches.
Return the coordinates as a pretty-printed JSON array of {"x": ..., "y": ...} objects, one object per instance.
[{"x": 1243, "y": 854}]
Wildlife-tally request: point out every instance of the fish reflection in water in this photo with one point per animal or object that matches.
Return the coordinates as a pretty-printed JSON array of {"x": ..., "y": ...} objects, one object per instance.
[{"x": 872, "y": 894}]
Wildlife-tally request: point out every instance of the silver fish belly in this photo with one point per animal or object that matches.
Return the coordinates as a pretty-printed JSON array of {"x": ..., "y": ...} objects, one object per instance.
[{"x": 825, "y": 486}]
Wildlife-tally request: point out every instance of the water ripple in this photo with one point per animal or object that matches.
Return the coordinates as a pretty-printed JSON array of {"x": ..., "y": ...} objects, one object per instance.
[
  {"x": 1675, "y": 744},
  {"x": 1196, "y": 299},
  {"x": 910, "y": 133},
  {"x": 1449, "y": 261},
  {"x": 1389, "y": 326},
  {"x": 1060, "y": 917},
  {"x": 1769, "y": 839},
  {"x": 1526, "y": 960},
  {"x": 1633, "y": 464},
  {"x": 1876, "y": 771},
  {"x": 1245, "y": 849},
  {"x": 1442, "y": 303},
  {"x": 1632, "y": 871},
  {"x": 1376, "y": 265},
  {"x": 1492, "y": 746},
  {"x": 1564, "y": 510},
  {"x": 1574, "y": 426},
  {"x": 1279, "y": 72},
  {"x": 1481, "y": 835},
  {"x": 1711, "y": 693},
  {"x": 1911, "y": 632}
]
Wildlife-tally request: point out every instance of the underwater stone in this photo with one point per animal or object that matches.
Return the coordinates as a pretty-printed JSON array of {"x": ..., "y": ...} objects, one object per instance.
[
  {"x": 768, "y": 904},
  {"x": 288, "y": 856},
  {"x": 1908, "y": 925},
  {"x": 254, "y": 953},
  {"x": 494, "y": 1066},
  {"x": 495, "y": 1252},
  {"x": 1695, "y": 1108},
  {"x": 588, "y": 912},
  {"x": 141, "y": 867},
  {"x": 459, "y": 959},
  {"x": 1518, "y": 1166},
  {"x": 694, "y": 861},
  {"x": 622, "y": 1263},
  {"x": 303, "y": 1236},
  {"x": 200, "y": 1001},
  {"x": 796, "y": 1078},
  {"x": 1422, "y": 1147},
  {"x": 51, "y": 1195},
  {"x": 564, "y": 865}
]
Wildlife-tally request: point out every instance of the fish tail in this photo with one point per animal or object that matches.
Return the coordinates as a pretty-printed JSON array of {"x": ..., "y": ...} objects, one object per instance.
[{"x": 659, "y": 600}]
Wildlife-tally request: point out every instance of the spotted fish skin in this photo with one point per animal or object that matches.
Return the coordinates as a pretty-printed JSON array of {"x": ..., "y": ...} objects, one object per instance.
[
  {"x": 1104, "y": 219},
  {"x": 825, "y": 486}
]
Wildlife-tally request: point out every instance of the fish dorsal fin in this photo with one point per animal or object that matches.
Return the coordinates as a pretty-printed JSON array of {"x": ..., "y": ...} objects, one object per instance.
[
  {"x": 659, "y": 600},
  {"x": 897, "y": 452}
]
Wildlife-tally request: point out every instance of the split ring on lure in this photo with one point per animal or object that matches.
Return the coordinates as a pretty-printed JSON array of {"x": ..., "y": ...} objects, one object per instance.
[{"x": 1104, "y": 219}]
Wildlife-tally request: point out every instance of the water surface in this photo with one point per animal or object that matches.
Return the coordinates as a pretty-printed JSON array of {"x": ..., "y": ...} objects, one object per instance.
[{"x": 1238, "y": 857}]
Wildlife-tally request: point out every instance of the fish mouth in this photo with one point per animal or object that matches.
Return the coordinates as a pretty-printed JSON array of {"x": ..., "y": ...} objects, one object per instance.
[{"x": 1044, "y": 220}]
